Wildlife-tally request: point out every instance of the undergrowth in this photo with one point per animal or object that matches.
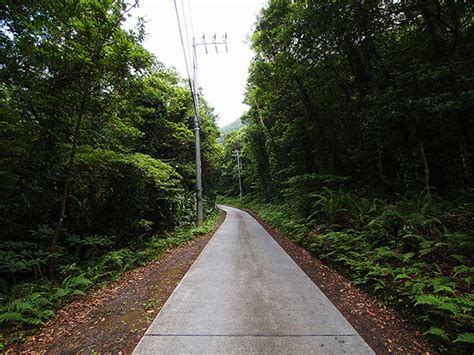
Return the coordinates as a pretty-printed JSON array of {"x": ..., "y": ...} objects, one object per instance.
[
  {"x": 414, "y": 253},
  {"x": 26, "y": 305}
]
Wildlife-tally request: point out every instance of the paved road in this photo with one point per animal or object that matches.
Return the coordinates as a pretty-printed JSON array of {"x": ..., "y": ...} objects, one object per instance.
[{"x": 245, "y": 295}]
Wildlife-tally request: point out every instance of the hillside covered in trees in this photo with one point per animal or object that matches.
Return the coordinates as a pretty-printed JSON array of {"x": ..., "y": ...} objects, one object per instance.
[
  {"x": 97, "y": 153},
  {"x": 358, "y": 144}
]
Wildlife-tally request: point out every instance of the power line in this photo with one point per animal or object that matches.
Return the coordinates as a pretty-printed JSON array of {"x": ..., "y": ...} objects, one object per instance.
[
  {"x": 197, "y": 138},
  {"x": 182, "y": 45},
  {"x": 191, "y": 18},
  {"x": 186, "y": 30}
]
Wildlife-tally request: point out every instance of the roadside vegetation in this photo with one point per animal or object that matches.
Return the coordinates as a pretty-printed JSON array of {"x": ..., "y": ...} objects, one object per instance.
[
  {"x": 29, "y": 304},
  {"x": 414, "y": 253},
  {"x": 97, "y": 158},
  {"x": 358, "y": 145}
]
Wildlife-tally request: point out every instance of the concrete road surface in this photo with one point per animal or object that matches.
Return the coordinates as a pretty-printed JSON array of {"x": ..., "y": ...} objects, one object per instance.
[{"x": 245, "y": 295}]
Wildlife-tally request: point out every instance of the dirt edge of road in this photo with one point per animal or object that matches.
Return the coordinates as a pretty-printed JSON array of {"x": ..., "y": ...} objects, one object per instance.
[
  {"x": 113, "y": 319},
  {"x": 381, "y": 327}
]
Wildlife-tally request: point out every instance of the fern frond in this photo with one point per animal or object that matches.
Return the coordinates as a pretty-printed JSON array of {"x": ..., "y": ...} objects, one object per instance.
[
  {"x": 439, "y": 332},
  {"x": 465, "y": 338},
  {"x": 11, "y": 316}
]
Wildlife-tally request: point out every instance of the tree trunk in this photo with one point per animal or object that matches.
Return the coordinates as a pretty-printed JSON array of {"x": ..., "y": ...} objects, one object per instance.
[
  {"x": 311, "y": 114},
  {"x": 267, "y": 132},
  {"x": 465, "y": 163},
  {"x": 380, "y": 168},
  {"x": 65, "y": 194},
  {"x": 430, "y": 9},
  {"x": 426, "y": 169}
]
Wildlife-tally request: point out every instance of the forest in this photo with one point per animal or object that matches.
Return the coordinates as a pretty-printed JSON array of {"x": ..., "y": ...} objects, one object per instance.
[
  {"x": 358, "y": 145},
  {"x": 97, "y": 154}
]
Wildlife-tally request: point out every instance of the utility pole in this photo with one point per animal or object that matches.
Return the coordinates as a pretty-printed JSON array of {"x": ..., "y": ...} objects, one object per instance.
[
  {"x": 215, "y": 42},
  {"x": 236, "y": 153}
]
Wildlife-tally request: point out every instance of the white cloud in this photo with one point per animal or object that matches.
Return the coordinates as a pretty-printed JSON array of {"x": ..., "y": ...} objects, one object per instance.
[{"x": 222, "y": 76}]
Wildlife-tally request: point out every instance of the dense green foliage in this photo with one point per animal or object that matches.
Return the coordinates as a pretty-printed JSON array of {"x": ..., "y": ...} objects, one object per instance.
[
  {"x": 97, "y": 157},
  {"x": 415, "y": 254},
  {"x": 31, "y": 303},
  {"x": 233, "y": 126},
  {"x": 380, "y": 91},
  {"x": 358, "y": 144}
]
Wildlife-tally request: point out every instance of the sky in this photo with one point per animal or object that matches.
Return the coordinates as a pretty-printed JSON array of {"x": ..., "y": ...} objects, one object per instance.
[{"x": 221, "y": 76}]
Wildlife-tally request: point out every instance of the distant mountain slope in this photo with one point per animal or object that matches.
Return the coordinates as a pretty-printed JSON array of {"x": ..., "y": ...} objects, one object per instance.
[{"x": 233, "y": 126}]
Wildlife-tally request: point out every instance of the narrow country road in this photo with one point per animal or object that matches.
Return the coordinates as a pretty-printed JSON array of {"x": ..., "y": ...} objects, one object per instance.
[{"x": 244, "y": 295}]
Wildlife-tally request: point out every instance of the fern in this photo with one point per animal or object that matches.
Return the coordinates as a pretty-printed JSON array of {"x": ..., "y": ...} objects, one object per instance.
[
  {"x": 443, "y": 288},
  {"x": 436, "y": 331},
  {"x": 71, "y": 286},
  {"x": 80, "y": 282},
  {"x": 438, "y": 302},
  {"x": 329, "y": 204},
  {"x": 10, "y": 316},
  {"x": 465, "y": 338},
  {"x": 402, "y": 248},
  {"x": 401, "y": 276},
  {"x": 32, "y": 309}
]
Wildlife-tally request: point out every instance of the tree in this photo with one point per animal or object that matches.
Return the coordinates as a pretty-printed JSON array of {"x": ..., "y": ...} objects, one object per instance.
[
  {"x": 364, "y": 89},
  {"x": 91, "y": 119}
]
